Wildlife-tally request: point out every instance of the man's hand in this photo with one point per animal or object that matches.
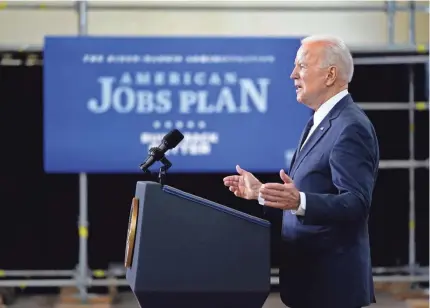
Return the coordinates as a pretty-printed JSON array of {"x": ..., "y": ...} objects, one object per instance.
[
  {"x": 245, "y": 185},
  {"x": 282, "y": 196}
]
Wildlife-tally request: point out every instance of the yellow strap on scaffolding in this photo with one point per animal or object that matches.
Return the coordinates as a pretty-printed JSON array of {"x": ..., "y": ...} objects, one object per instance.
[
  {"x": 421, "y": 106},
  {"x": 99, "y": 273},
  {"x": 83, "y": 231},
  {"x": 42, "y": 6},
  {"x": 412, "y": 127},
  {"x": 421, "y": 48},
  {"x": 3, "y": 5},
  {"x": 412, "y": 224},
  {"x": 2, "y": 273}
]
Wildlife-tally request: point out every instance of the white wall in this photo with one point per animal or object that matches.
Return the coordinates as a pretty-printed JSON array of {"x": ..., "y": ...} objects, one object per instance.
[{"x": 20, "y": 27}]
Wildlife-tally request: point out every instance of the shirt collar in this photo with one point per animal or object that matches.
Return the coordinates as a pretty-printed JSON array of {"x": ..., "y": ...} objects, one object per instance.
[{"x": 326, "y": 107}]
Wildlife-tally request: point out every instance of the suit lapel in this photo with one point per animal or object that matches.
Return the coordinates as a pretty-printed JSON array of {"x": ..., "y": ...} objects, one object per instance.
[
  {"x": 298, "y": 146},
  {"x": 292, "y": 162},
  {"x": 317, "y": 134}
]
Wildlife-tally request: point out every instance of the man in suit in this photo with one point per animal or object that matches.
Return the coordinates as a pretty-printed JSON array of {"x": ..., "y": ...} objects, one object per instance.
[{"x": 325, "y": 199}]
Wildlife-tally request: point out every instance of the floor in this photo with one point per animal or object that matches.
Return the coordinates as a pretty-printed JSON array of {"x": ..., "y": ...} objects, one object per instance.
[
  {"x": 384, "y": 301},
  {"x": 127, "y": 301}
]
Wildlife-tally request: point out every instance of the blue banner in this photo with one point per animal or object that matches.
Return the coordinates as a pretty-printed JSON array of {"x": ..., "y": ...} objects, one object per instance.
[{"x": 108, "y": 100}]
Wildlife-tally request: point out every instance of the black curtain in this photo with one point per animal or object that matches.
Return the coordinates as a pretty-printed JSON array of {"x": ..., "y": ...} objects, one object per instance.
[{"x": 39, "y": 212}]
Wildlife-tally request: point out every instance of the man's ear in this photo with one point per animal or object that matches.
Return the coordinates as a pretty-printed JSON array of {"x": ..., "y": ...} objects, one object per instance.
[{"x": 331, "y": 76}]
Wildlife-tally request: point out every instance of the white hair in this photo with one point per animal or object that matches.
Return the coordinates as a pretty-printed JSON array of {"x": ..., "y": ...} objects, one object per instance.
[{"x": 336, "y": 53}]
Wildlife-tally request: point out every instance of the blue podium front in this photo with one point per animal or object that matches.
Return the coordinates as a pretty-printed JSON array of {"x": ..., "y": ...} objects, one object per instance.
[{"x": 186, "y": 251}]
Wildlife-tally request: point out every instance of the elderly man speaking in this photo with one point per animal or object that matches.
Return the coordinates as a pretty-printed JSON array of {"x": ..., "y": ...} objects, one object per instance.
[{"x": 325, "y": 199}]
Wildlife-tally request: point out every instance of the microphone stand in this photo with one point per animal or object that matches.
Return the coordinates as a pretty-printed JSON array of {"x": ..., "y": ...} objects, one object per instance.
[
  {"x": 166, "y": 164},
  {"x": 162, "y": 173}
]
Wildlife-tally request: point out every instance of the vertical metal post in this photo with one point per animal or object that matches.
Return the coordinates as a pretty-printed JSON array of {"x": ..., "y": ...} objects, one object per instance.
[
  {"x": 391, "y": 15},
  {"x": 83, "y": 17},
  {"x": 412, "y": 23},
  {"x": 82, "y": 10},
  {"x": 412, "y": 257},
  {"x": 83, "y": 237}
]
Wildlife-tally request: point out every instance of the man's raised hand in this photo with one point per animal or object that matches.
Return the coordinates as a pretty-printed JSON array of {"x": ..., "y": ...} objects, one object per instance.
[{"x": 244, "y": 185}]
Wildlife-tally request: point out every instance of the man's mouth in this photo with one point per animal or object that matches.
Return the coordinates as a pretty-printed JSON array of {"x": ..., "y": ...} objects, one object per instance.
[{"x": 298, "y": 88}]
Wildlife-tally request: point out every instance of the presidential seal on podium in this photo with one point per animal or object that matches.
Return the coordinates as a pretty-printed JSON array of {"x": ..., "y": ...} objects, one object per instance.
[{"x": 131, "y": 233}]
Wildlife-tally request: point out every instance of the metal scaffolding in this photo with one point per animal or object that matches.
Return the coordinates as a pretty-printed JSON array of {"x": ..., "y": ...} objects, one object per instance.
[{"x": 83, "y": 278}]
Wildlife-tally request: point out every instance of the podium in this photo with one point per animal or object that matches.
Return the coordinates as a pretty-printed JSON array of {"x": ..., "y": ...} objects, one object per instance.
[{"x": 186, "y": 251}]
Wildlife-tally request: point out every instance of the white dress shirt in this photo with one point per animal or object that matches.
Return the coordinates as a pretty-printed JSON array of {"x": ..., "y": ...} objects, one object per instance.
[{"x": 319, "y": 115}]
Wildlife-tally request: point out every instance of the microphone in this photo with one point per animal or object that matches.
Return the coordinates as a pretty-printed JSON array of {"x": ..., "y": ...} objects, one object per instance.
[{"x": 169, "y": 141}]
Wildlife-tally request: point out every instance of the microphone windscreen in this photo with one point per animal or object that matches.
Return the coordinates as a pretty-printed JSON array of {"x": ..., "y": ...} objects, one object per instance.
[{"x": 172, "y": 138}]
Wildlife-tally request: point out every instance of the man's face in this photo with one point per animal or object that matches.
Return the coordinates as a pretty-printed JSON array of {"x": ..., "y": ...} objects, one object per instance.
[{"x": 309, "y": 78}]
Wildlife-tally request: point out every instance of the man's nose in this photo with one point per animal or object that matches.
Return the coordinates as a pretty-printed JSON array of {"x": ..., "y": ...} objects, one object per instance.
[{"x": 293, "y": 74}]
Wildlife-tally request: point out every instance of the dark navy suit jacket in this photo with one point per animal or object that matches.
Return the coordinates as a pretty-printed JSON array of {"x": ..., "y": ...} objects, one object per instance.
[{"x": 325, "y": 260}]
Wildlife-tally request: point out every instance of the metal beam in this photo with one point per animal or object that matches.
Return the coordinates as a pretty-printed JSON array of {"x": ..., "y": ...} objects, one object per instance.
[
  {"x": 118, "y": 272},
  {"x": 354, "y": 49},
  {"x": 403, "y": 164},
  {"x": 420, "y": 106},
  {"x": 210, "y": 5},
  {"x": 62, "y": 282},
  {"x": 394, "y": 278},
  {"x": 402, "y": 278},
  {"x": 380, "y": 270},
  {"x": 82, "y": 12},
  {"x": 38, "y": 273},
  {"x": 390, "y": 48},
  {"x": 21, "y": 48},
  {"x": 274, "y": 280},
  {"x": 407, "y": 59}
]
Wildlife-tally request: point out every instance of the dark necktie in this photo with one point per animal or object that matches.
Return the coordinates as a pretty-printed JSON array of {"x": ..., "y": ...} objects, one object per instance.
[
  {"x": 303, "y": 137},
  {"x": 306, "y": 132}
]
